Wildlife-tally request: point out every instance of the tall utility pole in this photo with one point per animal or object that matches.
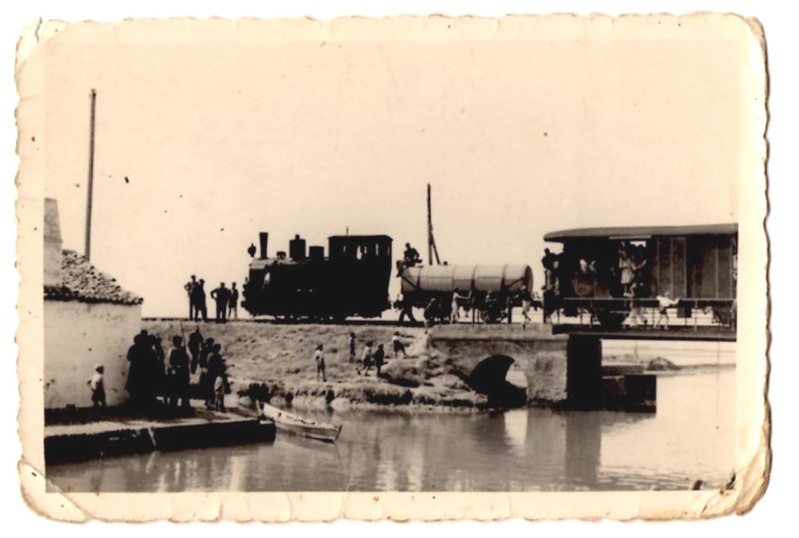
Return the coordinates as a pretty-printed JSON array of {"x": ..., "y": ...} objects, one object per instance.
[
  {"x": 431, "y": 242},
  {"x": 88, "y": 247}
]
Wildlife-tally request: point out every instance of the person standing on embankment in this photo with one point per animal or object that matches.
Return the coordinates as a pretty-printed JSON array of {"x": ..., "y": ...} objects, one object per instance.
[{"x": 319, "y": 357}]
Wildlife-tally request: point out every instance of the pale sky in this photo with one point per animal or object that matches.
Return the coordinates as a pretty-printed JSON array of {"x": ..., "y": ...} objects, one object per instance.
[{"x": 224, "y": 134}]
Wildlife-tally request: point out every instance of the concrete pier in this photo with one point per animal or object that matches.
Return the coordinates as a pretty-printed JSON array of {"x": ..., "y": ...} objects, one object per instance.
[
  {"x": 78, "y": 442},
  {"x": 584, "y": 372}
]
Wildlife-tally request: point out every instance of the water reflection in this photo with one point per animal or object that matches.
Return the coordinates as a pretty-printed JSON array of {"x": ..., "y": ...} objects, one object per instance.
[{"x": 691, "y": 437}]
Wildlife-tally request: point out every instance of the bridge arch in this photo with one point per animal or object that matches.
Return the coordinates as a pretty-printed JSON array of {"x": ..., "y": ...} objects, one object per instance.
[{"x": 489, "y": 377}]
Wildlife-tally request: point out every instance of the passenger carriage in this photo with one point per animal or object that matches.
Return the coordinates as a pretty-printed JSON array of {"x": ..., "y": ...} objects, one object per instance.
[{"x": 609, "y": 271}]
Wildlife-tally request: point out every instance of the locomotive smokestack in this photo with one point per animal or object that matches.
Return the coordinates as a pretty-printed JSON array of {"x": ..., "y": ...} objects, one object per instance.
[{"x": 264, "y": 238}]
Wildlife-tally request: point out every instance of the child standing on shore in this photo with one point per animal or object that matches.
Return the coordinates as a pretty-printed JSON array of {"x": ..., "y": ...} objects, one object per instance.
[
  {"x": 219, "y": 392},
  {"x": 399, "y": 347},
  {"x": 367, "y": 359},
  {"x": 319, "y": 357},
  {"x": 97, "y": 385}
]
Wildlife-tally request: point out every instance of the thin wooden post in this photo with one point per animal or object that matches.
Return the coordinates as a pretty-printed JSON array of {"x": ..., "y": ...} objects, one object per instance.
[{"x": 88, "y": 245}]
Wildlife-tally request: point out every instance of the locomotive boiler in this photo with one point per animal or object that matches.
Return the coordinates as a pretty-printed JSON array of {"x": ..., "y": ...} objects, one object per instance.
[{"x": 352, "y": 280}]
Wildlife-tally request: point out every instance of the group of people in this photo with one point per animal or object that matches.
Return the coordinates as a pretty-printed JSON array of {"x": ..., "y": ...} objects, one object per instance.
[
  {"x": 491, "y": 307},
  {"x": 371, "y": 357},
  {"x": 375, "y": 357},
  {"x": 208, "y": 365},
  {"x": 626, "y": 272},
  {"x": 153, "y": 376},
  {"x": 227, "y": 300}
]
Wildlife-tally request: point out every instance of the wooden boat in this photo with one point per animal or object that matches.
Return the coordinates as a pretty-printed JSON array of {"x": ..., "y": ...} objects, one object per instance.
[{"x": 295, "y": 424}]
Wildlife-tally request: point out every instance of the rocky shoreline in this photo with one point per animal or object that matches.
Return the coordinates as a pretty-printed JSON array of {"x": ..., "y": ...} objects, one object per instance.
[
  {"x": 275, "y": 361},
  {"x": 269, "y": 361}
]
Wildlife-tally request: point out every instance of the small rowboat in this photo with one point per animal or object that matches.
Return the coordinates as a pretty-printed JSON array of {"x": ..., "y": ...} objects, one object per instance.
[{"x": 291, "y": 423}]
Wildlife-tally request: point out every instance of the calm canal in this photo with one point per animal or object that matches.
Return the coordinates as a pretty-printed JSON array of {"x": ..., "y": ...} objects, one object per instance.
[{"x": 690, "y": 437}]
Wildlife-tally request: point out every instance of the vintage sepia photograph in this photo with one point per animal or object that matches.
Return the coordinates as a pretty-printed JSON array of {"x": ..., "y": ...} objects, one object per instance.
[{"x": 400, "y": 256}]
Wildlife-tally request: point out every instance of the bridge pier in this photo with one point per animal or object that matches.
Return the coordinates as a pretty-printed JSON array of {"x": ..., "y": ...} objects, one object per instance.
[
  {"x": 560, "y": 370},
  {"x": 584, "y": 372}
]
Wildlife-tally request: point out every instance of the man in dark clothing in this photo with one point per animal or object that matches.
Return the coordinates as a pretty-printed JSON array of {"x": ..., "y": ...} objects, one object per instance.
[
  {"x": 352, "y": 347},
  {"x": 142, "y": 374},
  {"x": 222, "y": 297},
  {"x": 189, "y": 287},
  {"x": 233, "y": 305},
  {"x": 195, "y": 341},
  {"x": 137, "y": 371},
  {"x": 206, "y": 383},
  {"x": 179, "y": 375},
  {"x": 411, "y": 256},
  {"x": 200, "y": 308},
  {"x": 379, "y": 358},
  {"x": 406, "y": 310},
  {"x": 157, "y": 378},
  {"x": 217, "y": 373},
  {"x": 548, "y": 261}
]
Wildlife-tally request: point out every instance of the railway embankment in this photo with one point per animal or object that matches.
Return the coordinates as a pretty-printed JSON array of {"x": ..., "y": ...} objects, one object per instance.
[{"x": 278, "y": 359}]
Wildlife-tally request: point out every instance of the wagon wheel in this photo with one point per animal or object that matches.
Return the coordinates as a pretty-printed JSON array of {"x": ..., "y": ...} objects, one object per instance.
[{"x": 608, "y": 319}]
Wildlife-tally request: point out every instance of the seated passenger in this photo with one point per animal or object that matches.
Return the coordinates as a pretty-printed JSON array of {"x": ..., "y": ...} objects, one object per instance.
[{"x": 411, "y": 256}]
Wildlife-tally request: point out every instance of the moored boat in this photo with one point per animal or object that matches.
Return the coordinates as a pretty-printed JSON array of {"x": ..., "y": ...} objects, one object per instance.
[{"x": 295, "y": 424}]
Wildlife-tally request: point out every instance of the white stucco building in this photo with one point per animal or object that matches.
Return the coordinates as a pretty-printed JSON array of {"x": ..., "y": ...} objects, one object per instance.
[{"x": 88, "y": 320}]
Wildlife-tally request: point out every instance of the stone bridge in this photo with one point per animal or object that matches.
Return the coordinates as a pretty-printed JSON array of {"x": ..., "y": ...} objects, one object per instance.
[{"x": 560, "y": 369}]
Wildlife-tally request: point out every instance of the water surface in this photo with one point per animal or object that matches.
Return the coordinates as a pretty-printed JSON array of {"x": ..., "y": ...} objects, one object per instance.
[{"x": 690, "y": 437}]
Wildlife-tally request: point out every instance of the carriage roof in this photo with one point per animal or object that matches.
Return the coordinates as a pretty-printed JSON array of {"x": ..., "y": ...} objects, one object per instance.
[
  {"x": 360, "y": 237},
  {"x": 641, "y": 232}
]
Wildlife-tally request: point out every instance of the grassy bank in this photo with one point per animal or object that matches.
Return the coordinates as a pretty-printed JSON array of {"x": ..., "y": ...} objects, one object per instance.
[{"x": 280, "y": 356}]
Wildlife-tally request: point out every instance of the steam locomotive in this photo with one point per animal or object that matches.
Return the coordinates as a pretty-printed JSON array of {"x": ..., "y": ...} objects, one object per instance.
[{"x": 352, "y": 280}]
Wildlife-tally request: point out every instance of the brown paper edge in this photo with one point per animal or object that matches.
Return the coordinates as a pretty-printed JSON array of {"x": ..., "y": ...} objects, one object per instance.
[{"x": 754, "y": 466}]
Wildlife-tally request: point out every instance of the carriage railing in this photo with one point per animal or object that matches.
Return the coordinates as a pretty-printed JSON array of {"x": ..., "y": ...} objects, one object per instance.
[{"x": 701, "y": 312}]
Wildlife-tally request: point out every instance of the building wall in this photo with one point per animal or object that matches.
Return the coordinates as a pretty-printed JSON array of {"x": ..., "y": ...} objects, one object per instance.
[
  {"x": 52, "y": 244},
  {"x": 77, "y": 337}
]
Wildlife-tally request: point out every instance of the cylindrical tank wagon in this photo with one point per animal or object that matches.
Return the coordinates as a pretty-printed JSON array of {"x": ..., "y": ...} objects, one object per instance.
[
  {"x": 489, "y": 289},
  {"x": 422, "y": 283}
]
